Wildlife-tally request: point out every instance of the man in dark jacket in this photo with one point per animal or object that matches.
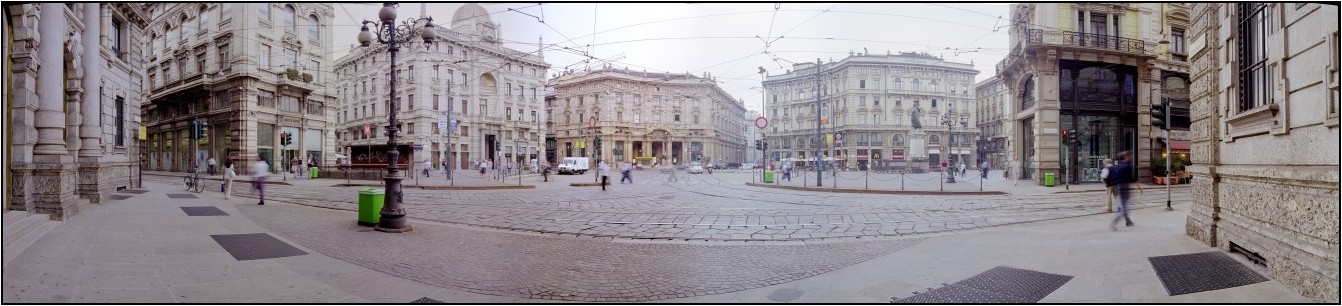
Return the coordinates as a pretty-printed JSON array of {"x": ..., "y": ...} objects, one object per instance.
[{"x": 1121, "y": 176}]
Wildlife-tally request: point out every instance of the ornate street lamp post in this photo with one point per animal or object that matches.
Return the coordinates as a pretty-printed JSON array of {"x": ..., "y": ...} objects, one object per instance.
[{"x": 390, "y": 34}]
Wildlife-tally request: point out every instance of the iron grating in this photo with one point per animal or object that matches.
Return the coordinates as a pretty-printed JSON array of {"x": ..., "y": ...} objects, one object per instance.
[
  {"x": 1001, "y": 284},
  {"x": 119, "y": 197},
  {"x": 1198, "y": 272},
  {"x": 182, "y": 196},
  {"x": 426, "y": 300},
  {"x": 135, "y": 191},
  {"x": 255, "y": 246},
  {"x": 203, "y": 211}
]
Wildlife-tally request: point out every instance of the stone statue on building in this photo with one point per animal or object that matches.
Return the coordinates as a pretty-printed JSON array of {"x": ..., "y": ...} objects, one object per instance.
[{"x": 916, "y": 113}]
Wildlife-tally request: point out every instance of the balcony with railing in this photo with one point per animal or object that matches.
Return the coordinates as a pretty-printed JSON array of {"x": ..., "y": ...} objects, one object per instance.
[{"x": 1069, "y": 39}]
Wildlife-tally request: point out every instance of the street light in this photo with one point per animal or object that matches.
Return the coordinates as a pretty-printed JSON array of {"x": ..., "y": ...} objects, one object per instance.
[{"x": 390, "y": 34}]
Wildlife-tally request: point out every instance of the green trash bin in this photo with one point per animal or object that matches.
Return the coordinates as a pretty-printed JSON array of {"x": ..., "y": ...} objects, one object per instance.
[
  {"x": 768, "y": 176},
  {"x": 370, "y": 206},
  {"x": 1050, "y": 179},
  {"x": 313, "y": 171}
]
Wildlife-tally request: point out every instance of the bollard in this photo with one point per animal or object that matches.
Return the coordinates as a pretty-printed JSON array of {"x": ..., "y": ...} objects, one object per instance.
[
  {"x": 901, "y": 181},
  {"x": 942, "y": 178}
]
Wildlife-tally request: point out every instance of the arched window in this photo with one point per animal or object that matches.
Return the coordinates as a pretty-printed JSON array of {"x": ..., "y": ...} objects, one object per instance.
[
  {"x": 899, "y": 84},
  {"x": 181, "y": 29},
  {"x": 203, "y": 19},
  {"x": 897, "y": 140},
  {"x": 915, "y": 86},
  {"x": 933, "y": 85},
  {"x": 289, "y": 15},
  {"x": 933, "y": 139},
  {"x": 1027, "y": 93},
  {"x": 314, "y": 28}
]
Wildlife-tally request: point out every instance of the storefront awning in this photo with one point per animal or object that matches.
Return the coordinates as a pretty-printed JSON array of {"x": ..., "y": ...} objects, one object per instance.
[
  {"x": 1179, "y": 145},
  {"x": 862, "y": 157}
]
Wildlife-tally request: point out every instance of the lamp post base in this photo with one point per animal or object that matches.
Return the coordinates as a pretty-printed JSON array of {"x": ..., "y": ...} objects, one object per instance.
[{"x": 406, "y": 228}]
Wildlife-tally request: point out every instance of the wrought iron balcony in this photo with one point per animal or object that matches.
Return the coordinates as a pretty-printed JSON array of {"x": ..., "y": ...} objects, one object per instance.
[{"x": 1088, "y": 40}]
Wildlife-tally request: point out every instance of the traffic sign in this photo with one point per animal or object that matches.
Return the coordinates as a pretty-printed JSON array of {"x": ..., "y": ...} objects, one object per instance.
[
  {"x": 591, "y": 122},
  {"x": 761, "y": 122},
  {"x": 442, "y": 122},
  {"x": 838, "y": 137}
]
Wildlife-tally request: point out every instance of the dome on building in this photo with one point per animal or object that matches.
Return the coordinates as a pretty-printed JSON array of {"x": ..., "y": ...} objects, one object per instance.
[{"x": 466, "y": 15}]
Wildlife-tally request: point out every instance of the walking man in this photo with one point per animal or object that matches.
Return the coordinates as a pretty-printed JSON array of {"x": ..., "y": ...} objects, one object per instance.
[
  {"x": 983, "y": 169},
  {"x": 787, "y": 171},
  {"x": 672, "y": 177},
  {"x": 1109, "y": 188},
  {"x": 259, "y": 171},
  {"x": 210, "y": 162},
  {"x": 427, "y": 167},
  {"x": 605, "y": 174},
  {"x": 625, "y": 172},
  {"x": 1120, "y": 175}
]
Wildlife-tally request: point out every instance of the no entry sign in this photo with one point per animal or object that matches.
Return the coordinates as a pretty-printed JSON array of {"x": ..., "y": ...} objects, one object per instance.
[{"x": 761, "y": 122}]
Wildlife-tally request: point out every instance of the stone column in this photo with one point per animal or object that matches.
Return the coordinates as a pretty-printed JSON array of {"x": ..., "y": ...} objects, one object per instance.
[
  {"x": 88, "y": 118},
  {"x": 50, "y": 129}
]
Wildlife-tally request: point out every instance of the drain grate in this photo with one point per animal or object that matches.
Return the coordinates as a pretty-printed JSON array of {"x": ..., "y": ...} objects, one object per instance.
[
  {"x": 119, "y": 197},
  {"x": 135, "y": 191},
  {"x": 427, "y": 300},
  {"x": 1198, "y": 272},
  {"x": 255, "y": 246},
  {"x": 203, "y": 211},
  {"x": 181, "y": 196},
  {"x": 1001, "y": 284}
]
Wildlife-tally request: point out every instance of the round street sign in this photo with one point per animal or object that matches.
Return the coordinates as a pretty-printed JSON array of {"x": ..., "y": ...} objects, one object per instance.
[
  {"x": 761, "y": 122},
  {"x": 838, "y": 137}
]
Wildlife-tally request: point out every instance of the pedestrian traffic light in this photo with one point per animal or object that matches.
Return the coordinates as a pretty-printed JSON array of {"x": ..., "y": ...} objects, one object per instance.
[
  {"x": 286, "y": 139},
  {"x": 1159, "y": 111}
]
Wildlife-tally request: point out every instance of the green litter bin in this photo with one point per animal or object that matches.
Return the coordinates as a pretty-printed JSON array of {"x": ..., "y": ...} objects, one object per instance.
[
  {"x": 768, "y": 176},
  {"x": 313, "y": 171},
  {"x": 1050, "y": 179},
  {"x": 370, "y": 206}
]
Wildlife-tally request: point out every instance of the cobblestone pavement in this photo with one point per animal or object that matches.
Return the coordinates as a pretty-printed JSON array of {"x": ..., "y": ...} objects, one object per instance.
[
  {"x": 563, "y": 267},
  {"x": 717, "y": 207}
]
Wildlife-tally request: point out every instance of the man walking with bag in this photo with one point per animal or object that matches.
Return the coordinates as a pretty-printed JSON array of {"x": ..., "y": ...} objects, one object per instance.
[
  {"x": 625, "y": 174},
  {"x": 605, "y": 174}
]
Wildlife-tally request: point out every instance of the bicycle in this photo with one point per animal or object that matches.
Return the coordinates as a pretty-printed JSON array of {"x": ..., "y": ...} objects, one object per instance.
[{"x": 193, "y": 183}]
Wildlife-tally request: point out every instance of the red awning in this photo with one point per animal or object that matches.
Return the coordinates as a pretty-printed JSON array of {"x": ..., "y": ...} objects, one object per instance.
[
  {"x": 1179, "y": 145},
  {"x": 862, "y": 157}
]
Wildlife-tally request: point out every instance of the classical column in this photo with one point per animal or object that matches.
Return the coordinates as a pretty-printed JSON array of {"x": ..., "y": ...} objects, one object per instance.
[
  {"x": 90, "y": 131},
  {"x": 50, "y": 126}
]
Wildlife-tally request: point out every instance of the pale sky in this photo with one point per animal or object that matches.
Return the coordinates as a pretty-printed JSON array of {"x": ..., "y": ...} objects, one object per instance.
[{"x": 721, "y": 38}]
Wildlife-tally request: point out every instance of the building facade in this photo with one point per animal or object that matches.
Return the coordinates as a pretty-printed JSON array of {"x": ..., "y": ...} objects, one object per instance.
[
  {"x": 1265, "y": 144},
  {"x": 73, "y": 86},
  {"x": 752, "y": 134},
  {"x": 494, "y": 95},
  {"x": 880, "y": 104},
  {"x": 994, "y": 126},
  {"x": 1094, "y": 69},
  {"x": 647, "y": 117},
  {"x": 251, "y": 71}
]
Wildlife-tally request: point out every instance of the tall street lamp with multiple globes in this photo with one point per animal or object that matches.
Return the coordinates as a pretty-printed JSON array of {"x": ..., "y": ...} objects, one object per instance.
[{"x": 390, "y": 34}]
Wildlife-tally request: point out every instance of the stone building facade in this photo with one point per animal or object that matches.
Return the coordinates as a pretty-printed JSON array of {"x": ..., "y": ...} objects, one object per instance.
[
  {"x": 1094, "y": 69},
  {"x": 994, "y": 126},
  {"x": 1265, "y": 138},
  {"x": 647, "y": 117},
  {"x": 252, "y": 71},
  {"x": 73, "y": 85},
  {"x": 495, "y": 95},
  {"x": 876, "y": 100}
]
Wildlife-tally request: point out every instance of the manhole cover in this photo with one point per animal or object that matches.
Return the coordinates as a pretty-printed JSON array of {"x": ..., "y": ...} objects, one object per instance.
[
  {"x": 785, "y": 295},
  {"x": 997, "y": 285},
  {"x": 426, "y": 300},
  {"x": 203, "y": 211},
  {"x": 1198, "y": 272},
  {"x": 181, "y": 196},
  {"x": 119, "y": 197},
  {"x": 255, "y": 246},
  {"x": 135, "y": 191}
]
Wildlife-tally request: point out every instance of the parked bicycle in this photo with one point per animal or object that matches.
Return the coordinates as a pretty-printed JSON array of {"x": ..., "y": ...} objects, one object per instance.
[{"x": 193, "y": 182}]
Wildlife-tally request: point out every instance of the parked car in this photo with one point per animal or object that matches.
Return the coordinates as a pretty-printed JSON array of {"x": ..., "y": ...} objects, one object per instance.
[{"x": 696, "y": 168}]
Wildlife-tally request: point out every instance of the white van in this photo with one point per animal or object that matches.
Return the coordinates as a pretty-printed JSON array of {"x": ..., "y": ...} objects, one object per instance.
[{"x": 573, "y": 165}]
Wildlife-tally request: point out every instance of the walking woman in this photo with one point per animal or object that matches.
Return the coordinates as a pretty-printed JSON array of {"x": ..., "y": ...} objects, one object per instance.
[{"x": 229, "y": 174}]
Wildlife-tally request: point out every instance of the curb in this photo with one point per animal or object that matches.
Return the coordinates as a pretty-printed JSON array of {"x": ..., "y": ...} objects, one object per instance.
[
  {"x": 877, "y": 191},
  {"x": 207, "y": 178}
]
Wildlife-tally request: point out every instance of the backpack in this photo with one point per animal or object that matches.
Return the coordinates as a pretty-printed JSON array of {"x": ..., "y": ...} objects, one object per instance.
[{"x": 1104, "y": 176}]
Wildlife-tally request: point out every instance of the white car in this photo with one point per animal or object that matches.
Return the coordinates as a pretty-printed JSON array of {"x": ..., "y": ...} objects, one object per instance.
[{"x": 696, "y": 168}]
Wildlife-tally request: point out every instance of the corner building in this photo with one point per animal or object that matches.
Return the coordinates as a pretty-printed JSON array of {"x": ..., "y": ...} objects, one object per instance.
[
  {"x": 252, "y": 71},
  {"x": 494, "y": 94},
  {"x": 873, "y": 98},
  {"x": 647, "y": 117},
  {"x": 1096, "y": 69}
]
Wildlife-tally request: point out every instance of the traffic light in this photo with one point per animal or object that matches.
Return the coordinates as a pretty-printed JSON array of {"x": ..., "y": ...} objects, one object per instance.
[
  {"x": 286, "y": 139},
  {"x": 766, "y": 145},
  {"x": 202, "y": 129},
  {"x": 758, "y": 145},
  {"x": 1158, "y": 113},
  {"x": 597, "y": 142}
]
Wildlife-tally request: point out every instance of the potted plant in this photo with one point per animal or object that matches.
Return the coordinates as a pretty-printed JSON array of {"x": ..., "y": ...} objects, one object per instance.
[
  {"x": 293, "y": 73},
  {"x": 307, "y": 77},
  {"x": 1158, "y": 174}
]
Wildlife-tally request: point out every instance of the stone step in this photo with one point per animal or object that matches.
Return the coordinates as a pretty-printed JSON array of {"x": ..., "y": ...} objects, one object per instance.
[
  {"x": 12, "y": 251},
  {"x": 16, "y": 229},
  {"x": 14, "y": 215}
]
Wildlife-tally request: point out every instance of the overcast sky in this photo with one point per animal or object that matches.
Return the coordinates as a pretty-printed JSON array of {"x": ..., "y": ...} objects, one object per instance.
[{"x": 721, "y": 38}]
